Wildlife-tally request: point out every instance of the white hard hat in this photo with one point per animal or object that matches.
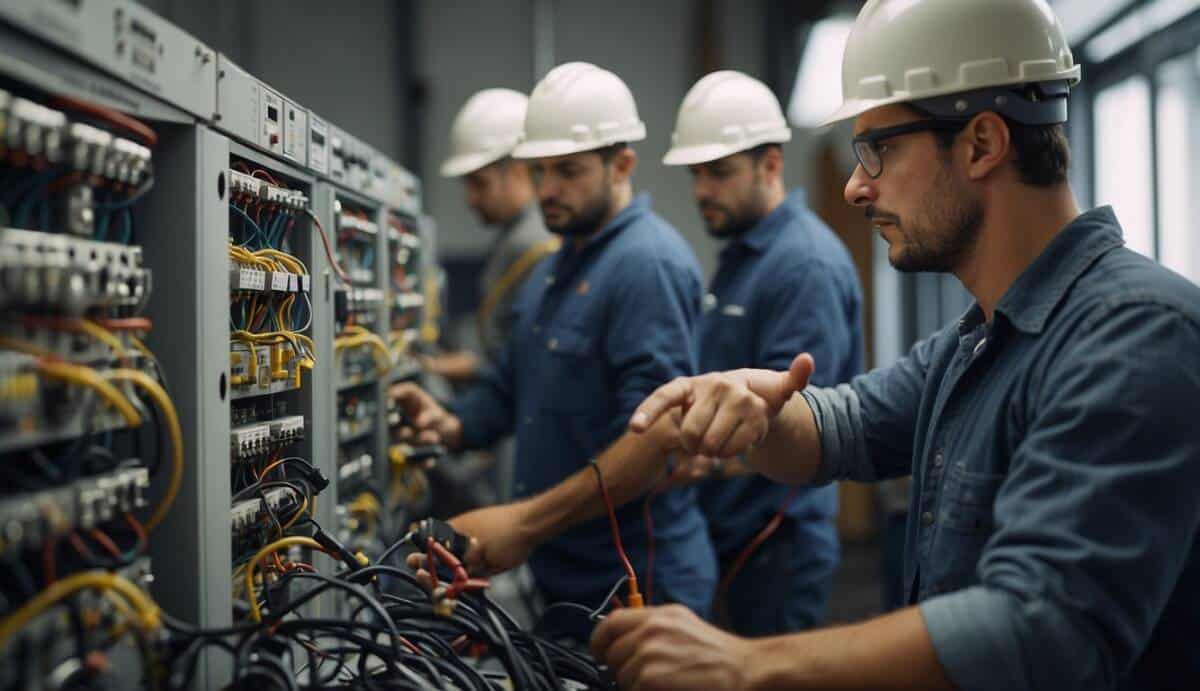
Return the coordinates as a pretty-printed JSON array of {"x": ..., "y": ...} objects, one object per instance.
[
  {"x": 956, "y": 58},
  {"x": 485, "y": 130},
  {"x": 724, "y": 113},
  {"x": 578, "y": 107}
]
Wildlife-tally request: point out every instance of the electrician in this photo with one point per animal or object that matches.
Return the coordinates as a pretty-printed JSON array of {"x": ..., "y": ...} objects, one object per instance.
[
  {"x": 785, "y": 284},
  {"x": 611, "y": 318},
  {"x": 500, "y": 192},
  {"x": 1050, "y": 432}
]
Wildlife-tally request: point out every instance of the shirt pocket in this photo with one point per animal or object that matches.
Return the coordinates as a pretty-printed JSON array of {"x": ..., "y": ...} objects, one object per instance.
[
  {"x": 969, "y": 500},
  {"x": 572, "y": 372}
]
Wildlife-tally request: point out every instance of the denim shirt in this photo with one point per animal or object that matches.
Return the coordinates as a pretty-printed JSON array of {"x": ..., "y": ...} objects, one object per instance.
[
  {"x": 598, "y": 330},
  {"x": 786, "y": 286},
  {"x": 1052, "y": 536}
]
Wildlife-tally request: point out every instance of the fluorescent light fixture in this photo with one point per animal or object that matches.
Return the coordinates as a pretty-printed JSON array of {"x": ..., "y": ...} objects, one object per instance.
[{"x": 818, "y": 88}]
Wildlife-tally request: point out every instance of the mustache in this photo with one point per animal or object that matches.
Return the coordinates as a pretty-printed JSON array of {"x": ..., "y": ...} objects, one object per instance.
[
  {"x": 872, "y": 212},
  {"x": 552, "y": 206},
  {"x": 712, "y": 206}
]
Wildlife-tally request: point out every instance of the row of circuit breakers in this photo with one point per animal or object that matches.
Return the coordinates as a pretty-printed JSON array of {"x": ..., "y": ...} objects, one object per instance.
[{"x": 205, "y": 291}]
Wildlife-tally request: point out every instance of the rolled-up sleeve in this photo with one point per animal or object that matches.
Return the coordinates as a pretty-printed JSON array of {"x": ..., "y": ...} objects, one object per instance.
[
  {"x": 1095, "y": 517},
  {"x": 650, "y": 338},
  {"x": 867, "y": 426}
]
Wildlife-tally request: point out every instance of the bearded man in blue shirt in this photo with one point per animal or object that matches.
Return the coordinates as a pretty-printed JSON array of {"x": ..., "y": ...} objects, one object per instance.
[
  {"x": 785, "y": 284},
  {"x": 1053, "y": 539},
  {"x": 605, "y": 320}
]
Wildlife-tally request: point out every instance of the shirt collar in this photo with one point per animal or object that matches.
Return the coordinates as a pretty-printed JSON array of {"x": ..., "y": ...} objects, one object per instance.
[
  {"x": 759, "y": 237},
  {"x": 638, "y": 207},
  {"x": 1042, "y": 286}
]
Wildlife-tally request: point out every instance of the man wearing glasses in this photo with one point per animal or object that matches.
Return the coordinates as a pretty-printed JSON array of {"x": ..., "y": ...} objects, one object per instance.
[{"x": 1050, "y": 432}]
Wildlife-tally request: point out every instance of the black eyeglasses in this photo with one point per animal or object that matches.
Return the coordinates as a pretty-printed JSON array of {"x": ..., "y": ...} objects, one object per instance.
[{"x": 867, "y": 149}]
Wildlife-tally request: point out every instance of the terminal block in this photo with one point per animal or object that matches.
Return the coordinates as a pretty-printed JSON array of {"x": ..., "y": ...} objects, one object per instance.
[
  {"x": 66, "y": 274},
  {"x": 29, "y": 520}
]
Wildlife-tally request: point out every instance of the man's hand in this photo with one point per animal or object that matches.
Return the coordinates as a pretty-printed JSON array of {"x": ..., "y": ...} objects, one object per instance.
[
  {"x": 500, "y": 540},
  {"x": 724, "y": 413},
  {"x": 690, "y": 470},
  {"x": 660, "y": 648},
  {"x": 431, "y": 423}
]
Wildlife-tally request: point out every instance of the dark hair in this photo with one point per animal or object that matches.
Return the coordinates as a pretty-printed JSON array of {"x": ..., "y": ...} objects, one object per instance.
[
  {"x": 756, "y": 154},
  {"x": 608, "y": 153},
  {"x": 1043, "y": 154}
]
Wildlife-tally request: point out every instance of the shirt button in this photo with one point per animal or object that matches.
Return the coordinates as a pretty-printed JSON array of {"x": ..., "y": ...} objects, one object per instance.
[
  {"x": 979, "y": 347},
  {"x": 537, "y": 329},
  {"x": 938, "y": 460},
  {"x": 549, "y": 280},
  {"x": 927, "y": 519},
  {"x": 528, "y": 420},
  {"x": 552, "y": 344}
]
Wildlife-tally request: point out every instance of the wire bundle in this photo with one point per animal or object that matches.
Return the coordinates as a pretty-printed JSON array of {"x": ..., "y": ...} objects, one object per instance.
[{"x": 398, "y": 637}]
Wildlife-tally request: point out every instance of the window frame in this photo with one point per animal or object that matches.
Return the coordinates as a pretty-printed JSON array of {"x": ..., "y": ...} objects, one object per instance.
[{"x": 1142, "y": 58}]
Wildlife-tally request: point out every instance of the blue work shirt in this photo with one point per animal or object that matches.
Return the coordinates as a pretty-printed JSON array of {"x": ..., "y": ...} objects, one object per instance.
[
  {"x": 598, "y": 330},
  {"x": 1052, "y": 538},
  {"x": 785, "y": 287}
]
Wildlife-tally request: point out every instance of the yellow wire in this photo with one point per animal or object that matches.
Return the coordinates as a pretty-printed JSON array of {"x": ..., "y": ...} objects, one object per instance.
[
  {"x": 101, "y": 334},
  {"x": 24, "y": 347},
  {"x": 163, "y": 401},
  {"x": 141, "y": 347},
  {"x": 357, "y": 336},
  {"x": 86, "y": 376},
  {"x": 252, "y": 566},
  {"x": 148, "y": 611}
]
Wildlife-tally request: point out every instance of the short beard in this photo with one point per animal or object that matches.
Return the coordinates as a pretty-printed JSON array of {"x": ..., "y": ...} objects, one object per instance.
[
  {"x": 948, "y": 234},
  {"x": 588, "y": 219},
  {"x": 740, "y": 220}
]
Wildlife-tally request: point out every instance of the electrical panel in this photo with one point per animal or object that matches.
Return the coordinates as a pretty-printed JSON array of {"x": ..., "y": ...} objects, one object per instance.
[
  {"x": 128, "y": 41},
  {"x": 87, "y": 423},
  {"x": 205, "y": 296}
]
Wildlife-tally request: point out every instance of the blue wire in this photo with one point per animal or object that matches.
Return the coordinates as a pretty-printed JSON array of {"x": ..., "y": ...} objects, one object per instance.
[
  {"x": 102, "y": 226},
  {"x": 127, "y": 223},
  {"x": 246, "y": 217}
]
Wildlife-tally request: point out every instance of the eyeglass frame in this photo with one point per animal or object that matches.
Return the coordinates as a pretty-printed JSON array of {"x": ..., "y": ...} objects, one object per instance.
[{"x": 871, "y": 138}]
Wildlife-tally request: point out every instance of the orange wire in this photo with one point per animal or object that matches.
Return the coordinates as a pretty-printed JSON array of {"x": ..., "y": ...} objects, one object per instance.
[
  {"x": 105, "y": 542},
  {"x": 126, "y": 324},
  {"x": 49, "y": 572}
]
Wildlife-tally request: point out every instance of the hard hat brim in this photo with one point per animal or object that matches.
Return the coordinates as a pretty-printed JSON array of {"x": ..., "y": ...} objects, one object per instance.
[
  {"x": 852, "y": 108},
  {"x": 706, "y": 153},
  {"x": 465, "y": 164}
]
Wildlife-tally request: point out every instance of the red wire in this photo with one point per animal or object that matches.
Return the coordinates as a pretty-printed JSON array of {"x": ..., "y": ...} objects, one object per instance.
[
  {"x": 328, "y": 250},
  {"x": 648, "y": 516},
  {"x": 266, "y": 176},
  {"x": 757, "y": 542},
  {"x": 133, "y": 126},
  {"x": 616, "y": 531}
]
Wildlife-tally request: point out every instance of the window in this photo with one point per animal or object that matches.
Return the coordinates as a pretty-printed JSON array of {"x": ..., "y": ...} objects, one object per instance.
[
  {"x": 1123, "y": 163},
  {"x": 1178, "y": 123}
]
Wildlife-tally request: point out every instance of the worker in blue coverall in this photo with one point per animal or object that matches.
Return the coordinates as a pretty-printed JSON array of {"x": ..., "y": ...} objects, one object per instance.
[
  {"x": 1053, "y": 539},
  {"x": 785, "y": 284},
  {"x": 611, "y": 317}
]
